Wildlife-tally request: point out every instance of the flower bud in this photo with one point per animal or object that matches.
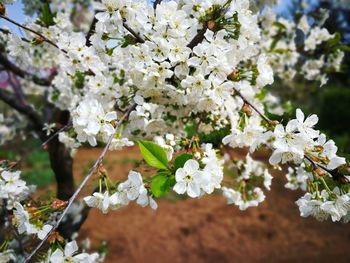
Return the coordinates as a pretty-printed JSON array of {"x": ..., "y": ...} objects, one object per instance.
[
  {"x": 55, "y": 236},
  {"x": 211, "y": 24},
  {"x": 59, "y": 204},
  {"x": 247, "y": 109},
  {"x": 320, "y": 172},
  {"x": 2, "y": 9},
  {"x": 344, "y": 180},
  {"x": 232, "y": 75},
  {"x": 45, "y": 147},
  {"x": 102, "y": 170},
  {"x": 319, "y": 148},
  {"x": 344, "y": 169},
  {"x": 39, "y": 40}
]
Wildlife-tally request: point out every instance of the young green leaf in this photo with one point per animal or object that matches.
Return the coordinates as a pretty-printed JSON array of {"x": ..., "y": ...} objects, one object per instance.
[
  {"x": 181, "y": 160},
  {"x": 47, "y": 17},
  {"x": 153, "y": 154},
  {"x": 160, "y": 185}
]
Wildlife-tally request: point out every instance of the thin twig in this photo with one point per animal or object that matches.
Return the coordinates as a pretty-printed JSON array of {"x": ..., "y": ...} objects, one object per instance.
[
  {"x": 41, "y": 36},
  {"x": 315, "y": 165},
  {"x": 64, "y": 128},
  {"x": 133, "y": 33},
  {"x": 253, "y": 107},
  {"x": 81, "y": 186}
]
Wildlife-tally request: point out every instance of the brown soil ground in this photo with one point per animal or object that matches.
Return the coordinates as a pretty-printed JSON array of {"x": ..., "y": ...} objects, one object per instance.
[{"x": 208, "y": 230}]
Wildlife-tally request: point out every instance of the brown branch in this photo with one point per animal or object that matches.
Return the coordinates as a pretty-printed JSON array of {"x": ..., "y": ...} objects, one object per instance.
[
  {"x": 133, "y": 33},
  {"x": 41, "y": 36},
  {"x": 199, "y": 37},
  {"x": 91, "y": 31},
  {"x": 22, "y": 73},
  {"x": 156, "y": 3},
  {"x": 81, "y": 186},
  {"x": 253, "y": 107},
  {"x": 26, "y": 110}
]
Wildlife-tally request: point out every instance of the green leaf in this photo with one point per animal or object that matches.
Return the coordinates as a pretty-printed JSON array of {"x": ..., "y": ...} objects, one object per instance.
[
  {"x": 279, "y": 25},
  {"x": 160, "y": 185},
  {"x": 153, "y": 154},
  {"x": 47, "y": 17},
  {"x": 333, "y": 41},
  {"x": 344, "y": 48},
  {"x": 181, "y": 160}
]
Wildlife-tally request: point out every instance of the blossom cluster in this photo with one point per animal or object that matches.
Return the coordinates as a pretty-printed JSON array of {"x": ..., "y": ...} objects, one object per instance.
[
  {"x": 12, "y": 188},
  {"x": 248, "y": 175},
  {"x": 293, "y": 47},
  {"x": 326, "y": 204},
  {"x": 171, "y": 77}
]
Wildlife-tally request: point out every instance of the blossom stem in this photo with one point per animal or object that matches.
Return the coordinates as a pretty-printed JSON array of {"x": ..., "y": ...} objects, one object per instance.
[
  {"x": 81, "y": 186},
  {"x": 326, "y": 185},
  {"x": 41, "y": 36}
]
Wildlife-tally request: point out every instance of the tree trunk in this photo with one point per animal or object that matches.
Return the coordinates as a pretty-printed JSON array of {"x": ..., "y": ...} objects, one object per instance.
[
  {"x": 62, "y": 166},
  {"x": 60, "y": 158}
]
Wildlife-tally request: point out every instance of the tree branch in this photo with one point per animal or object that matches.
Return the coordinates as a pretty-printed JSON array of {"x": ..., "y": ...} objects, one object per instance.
[
  {"x": 22, "y": 73},
  {"x": 156, "y": 2},
  {"x": 26, "y": 110},
  {"x": 91, "y": 31},
  {"x": 133, "y": 33},
  {"x": 199, "y": 37},
  {"x": 81, "y": 186},
  {"x": 41, "y": 36}
]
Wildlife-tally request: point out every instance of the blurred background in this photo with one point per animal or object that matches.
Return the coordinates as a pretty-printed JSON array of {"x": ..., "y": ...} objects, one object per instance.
[{"x": 207, "y": 230}]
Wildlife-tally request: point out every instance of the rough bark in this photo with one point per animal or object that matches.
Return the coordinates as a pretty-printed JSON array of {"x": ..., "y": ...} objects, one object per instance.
[
  {"x": 62, "y": 166},
  {"x": 62, "y": 162}
]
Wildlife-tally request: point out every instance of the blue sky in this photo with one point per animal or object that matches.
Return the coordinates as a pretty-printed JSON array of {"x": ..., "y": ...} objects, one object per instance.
[{"x": 15, "y": 12}]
